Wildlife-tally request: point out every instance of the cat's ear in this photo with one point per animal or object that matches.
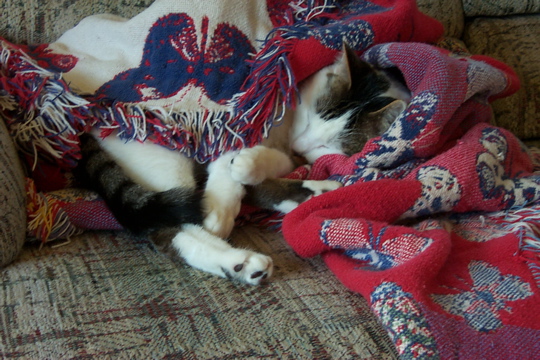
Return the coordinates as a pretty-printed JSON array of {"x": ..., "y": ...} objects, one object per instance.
[
  {"x": 388, "y": 114},
  {"x": 340, "y": 75}
]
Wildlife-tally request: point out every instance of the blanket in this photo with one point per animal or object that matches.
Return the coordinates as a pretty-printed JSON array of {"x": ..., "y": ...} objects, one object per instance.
[
  {"x": 435, "y": 225},
  {"x": 438, "y": 223}
]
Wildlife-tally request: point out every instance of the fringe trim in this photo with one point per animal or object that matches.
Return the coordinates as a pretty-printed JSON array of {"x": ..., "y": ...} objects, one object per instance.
[
  {"x": 43, "y": 115},
  {"x": 46, "y": 218},
  {"x": 525, "y": 224},
  {"x": 45, "y": 118},
  {"x": 201, "y": 135},
  {"x": 271, "y": 86},
  {"x": 307, "y": 10}
]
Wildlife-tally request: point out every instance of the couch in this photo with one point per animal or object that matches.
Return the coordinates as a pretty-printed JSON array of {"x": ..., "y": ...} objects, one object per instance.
[{"x": 108, "y": 294}]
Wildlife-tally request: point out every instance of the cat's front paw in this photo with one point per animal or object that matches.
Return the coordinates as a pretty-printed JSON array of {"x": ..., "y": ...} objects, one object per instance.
[
  {"x": 247, "y": 266},
  {"x": 245, "y": 167}
]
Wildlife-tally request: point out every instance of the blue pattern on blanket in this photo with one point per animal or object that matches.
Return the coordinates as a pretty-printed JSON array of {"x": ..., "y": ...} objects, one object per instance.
[{"x": 172, "y": 59}]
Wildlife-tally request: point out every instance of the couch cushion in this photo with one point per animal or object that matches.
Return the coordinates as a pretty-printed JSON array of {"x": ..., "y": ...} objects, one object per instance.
[
  {"x": 37, "y": 21},
  {"x": 449, "y": 13},
  {"x": 12, "y": 200},
  {"x": 500, "y": 7},
  {"x": 111, "y": 296},
  {"x": 514, "y": 40}
]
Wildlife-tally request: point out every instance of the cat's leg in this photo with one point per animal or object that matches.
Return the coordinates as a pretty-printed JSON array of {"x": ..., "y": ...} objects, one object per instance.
[
  {"x": 253, "y": 165},
  {"x": 146, "y": 186},
  {"x": 150, "y": 165},
  {"x": 222, "y": 197},
  {"x": 260, "y": 167},
  {"x": 161, "y": 171},
  {"x": 285, "y": 195},
  {"x": 208, "y": 253}
]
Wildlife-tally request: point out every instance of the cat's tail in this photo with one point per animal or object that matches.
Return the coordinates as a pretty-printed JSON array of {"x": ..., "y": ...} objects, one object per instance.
[{"x": 136, "y": 208}]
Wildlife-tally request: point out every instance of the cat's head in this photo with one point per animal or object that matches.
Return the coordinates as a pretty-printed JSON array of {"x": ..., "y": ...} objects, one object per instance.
[{"x": 344, "y": 105}]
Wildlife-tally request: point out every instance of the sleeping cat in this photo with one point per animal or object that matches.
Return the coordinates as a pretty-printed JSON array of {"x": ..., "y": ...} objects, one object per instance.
[{"x": 152, "y": 189}]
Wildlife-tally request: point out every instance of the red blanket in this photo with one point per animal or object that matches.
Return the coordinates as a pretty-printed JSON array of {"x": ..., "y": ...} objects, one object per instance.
[{"x": 405, "y": 232}]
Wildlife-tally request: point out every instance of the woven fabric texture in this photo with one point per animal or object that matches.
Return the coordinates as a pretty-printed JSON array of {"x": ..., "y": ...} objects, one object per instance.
[
  {"x": 500, "y": 7},
  {"x": 84, "y": 299},
  {"x": 449, "y": 13},
  {"x": 514, "y": 40},
  {"x": 87, "y": 301},
  {"x": 37, "y": 21},
  {"x": 12, "y": 200}
]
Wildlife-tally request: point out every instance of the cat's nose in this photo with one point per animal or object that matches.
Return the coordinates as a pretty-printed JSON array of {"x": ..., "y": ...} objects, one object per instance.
[{"x": 302, "y": 145}]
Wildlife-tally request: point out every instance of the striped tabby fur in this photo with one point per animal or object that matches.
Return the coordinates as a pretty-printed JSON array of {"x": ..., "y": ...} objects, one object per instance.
[{"x": 136, "y": 208}]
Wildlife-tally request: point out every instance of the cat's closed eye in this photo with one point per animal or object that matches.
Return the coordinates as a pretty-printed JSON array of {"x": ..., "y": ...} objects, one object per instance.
[{"x": 349, "y": 102}]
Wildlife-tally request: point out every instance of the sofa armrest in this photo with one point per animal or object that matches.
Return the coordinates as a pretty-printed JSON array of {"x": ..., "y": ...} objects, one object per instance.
[
  {"x": 12, "y": 199},
  {"x": 515, "y": 41}
]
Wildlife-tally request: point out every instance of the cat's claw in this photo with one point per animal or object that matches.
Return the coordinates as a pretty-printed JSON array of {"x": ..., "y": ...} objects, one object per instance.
[{"x": 248, "y": 267}]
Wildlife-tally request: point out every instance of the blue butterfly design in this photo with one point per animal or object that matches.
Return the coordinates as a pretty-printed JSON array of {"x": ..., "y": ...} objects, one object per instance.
[
  {"x": 373, "y": 248},
  {"x": 488, "y": 296},
  {"x": 173, "y": 59}
]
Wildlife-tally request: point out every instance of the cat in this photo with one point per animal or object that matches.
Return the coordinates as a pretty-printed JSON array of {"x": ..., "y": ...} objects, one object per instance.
[
  {"x": 341, "y": 107},
  {"x": 153, "y": 190}
]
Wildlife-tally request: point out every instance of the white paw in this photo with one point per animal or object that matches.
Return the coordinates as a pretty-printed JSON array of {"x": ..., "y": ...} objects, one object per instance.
[
  {"x": 245, "y": 168},
  {"x": 247, "y": 266},
  {"x": 321, "y": 186},
  {"x": 220, "y": 217}
]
